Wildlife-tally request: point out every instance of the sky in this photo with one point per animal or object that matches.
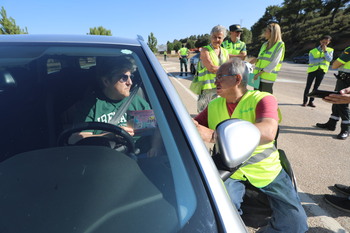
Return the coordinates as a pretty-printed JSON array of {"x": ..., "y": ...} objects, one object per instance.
[{"x": 167, "y": 20}]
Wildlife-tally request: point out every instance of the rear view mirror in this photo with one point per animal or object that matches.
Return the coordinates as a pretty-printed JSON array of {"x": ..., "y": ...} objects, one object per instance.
[
  {"x": 7, "y": 82},
  {"x": 236, "y": 140}
]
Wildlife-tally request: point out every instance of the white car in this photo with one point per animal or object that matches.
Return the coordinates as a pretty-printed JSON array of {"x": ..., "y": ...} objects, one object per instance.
[{"x": 105, "y": 184}]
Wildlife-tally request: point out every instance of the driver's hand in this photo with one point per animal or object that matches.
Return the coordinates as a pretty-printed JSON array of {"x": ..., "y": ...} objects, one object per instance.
[{"x": 128, "y": 129}]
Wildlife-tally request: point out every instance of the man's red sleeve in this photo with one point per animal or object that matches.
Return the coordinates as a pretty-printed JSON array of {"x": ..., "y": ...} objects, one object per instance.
[
  {"x": 202, "y": 117},
  {"x": 267, "y": 108}
]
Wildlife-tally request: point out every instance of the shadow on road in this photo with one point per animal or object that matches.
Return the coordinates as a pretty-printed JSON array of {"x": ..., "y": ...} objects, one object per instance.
[{"x": 306, "y": 131}]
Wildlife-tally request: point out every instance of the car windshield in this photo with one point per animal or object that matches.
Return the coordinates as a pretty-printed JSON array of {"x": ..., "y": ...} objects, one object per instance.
[{"x": 55, "y": 179}]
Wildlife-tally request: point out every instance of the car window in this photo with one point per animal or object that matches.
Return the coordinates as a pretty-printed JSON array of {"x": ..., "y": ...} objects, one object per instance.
[{"x": 146, "y": 182}]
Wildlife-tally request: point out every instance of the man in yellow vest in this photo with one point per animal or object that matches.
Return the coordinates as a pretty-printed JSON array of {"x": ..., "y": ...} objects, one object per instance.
[
  {"x": 340, "y": 110},
  {"x": 319, "y": 60},
  {"x": 263, "y": 170},
  {"x": 234, "y": 45},
  {"x": 183, "y": 56}
]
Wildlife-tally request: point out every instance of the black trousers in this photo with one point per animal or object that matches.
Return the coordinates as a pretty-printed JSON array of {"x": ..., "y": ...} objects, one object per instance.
[
  {"x": 342, "y": 110},
  {"x": 318, "y": 75},
  {"x": 183, "y": 62}
]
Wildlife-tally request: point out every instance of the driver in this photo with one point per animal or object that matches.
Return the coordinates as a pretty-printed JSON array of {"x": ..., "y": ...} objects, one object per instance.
[{"x": 115, "y": 78}]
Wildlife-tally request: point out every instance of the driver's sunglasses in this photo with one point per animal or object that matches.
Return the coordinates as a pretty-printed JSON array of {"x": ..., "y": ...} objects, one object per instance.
[{"x": 124, "y": 78}]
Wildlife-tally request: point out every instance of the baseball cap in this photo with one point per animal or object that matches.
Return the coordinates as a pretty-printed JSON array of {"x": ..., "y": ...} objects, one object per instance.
[{"x": 236, "y": 28}]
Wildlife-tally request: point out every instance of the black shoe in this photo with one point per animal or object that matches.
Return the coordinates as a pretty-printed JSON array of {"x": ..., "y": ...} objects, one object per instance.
[
  {"x": 342, "y": 188},
  {"x": 326, "y": 126},
  {"x": 180, "y": 74},
  {"x": 311, "y": 105},
  {"x": 303, "y": 105},
  {"x": 343, "y": 135},
  {"x": 342, "y": 203}
]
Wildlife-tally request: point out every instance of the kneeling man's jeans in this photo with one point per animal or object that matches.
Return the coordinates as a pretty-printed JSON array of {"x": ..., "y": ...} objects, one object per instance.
[{"x": 288, "y": 216}]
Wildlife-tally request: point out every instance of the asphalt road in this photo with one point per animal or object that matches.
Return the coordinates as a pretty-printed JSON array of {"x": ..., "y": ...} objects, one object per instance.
[{"x": 318, "y": 159}]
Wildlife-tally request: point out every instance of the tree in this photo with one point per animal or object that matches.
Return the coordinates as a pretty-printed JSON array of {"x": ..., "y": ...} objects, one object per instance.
[
  {"x": 177, "y": 45},
  {"x": 152, "y": 43},
  {"x": 333, "y": 6},
  {"x": 8, "y": 25},
  {"x": 246, "y": 36},
  {"x": 170, "y": 46},
  {"x": 190, "y": 44},
  {"x": 100, "y": 31},
  {"x": 203, "y": 40}
]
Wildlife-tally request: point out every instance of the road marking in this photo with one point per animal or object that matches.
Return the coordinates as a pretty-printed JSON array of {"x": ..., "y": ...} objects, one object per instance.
[{"x": 184, "y": 87}]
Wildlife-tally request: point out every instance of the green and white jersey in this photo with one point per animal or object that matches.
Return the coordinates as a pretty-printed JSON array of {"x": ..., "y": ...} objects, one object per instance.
[{"x": 102, "y": 109}]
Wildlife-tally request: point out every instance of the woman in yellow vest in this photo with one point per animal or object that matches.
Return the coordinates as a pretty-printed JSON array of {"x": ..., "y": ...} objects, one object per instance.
[
  {"x": 319, "y": 60},
  {"x": 263, "y": 170},
  {"x": 211, "y": 57},
  {"x": 271, "y": 55}
]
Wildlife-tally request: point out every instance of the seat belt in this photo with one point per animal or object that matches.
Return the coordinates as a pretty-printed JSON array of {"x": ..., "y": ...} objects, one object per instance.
[{"x": 124, "y": 107}]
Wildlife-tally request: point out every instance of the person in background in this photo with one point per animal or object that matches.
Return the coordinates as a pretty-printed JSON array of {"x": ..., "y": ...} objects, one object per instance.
[
  {"x": 165, "y": 55},
  {"x": 342, "y": 203},
  {"x": 234, "y": 45},
  {"x": 263, "y": 170},
  {"x": 183, "y": 57},
  {"x": 319, "y": 60},
  {"x": 211, "y": 57},
  {"x": 340, "y": 110},
  {"x": 270, "y": 57}
]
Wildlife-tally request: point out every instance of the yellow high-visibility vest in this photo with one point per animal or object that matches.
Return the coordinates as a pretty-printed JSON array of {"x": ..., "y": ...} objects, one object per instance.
[
  {"x": 324, "y": 64},
  {"x": 264, "y": 59},
  {"x": 264, "y": 164},
  {"x": 206, "y": 77}
]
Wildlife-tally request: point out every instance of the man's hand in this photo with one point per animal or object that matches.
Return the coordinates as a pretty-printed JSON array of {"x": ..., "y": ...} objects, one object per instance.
[
  {"x": 257, "y": 75},
  {"x": 206, "y": 133},
  {"x": 342, "y": 98}
]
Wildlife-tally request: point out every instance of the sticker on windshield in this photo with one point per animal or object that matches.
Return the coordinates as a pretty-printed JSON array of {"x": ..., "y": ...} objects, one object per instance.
[{"x": 126, "y": 51}]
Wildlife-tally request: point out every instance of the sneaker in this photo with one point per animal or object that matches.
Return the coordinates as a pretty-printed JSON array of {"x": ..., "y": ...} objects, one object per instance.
[
  {"x": 303, "y": 105},
  {"x": 311, "y": 105},
  {"x": 341, "y": 203},
  {"x": 325, "y": 126},
  {"x": 342, "y": 188}
]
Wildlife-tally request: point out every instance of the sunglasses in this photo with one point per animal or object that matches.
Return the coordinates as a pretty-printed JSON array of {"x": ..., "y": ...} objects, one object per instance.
[
  {"x": 124, "y": 78},
  {"x": 220, "y": 76}
]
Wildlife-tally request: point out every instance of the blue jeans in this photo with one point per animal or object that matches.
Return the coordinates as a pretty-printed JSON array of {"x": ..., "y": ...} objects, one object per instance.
[{"x": 288, "y": 215}]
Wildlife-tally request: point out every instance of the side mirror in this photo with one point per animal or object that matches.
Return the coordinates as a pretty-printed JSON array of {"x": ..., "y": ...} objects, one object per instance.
[{"x": 236, "y": 140}]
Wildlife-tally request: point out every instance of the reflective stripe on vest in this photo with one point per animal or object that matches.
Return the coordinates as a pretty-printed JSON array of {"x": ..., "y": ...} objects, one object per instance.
[
  {"x": 206, "y": 77},
  {"x": 259, "y": 157},
  {"x": 233, "y": 48},
  {"x": 265, "y": 58},
  {"x": 324, "y": 64},
  {"x": 264, "y": 165}
]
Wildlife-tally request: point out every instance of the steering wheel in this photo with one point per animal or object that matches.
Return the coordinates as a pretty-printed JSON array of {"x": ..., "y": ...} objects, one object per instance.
[{"x": 118, "y": 135}]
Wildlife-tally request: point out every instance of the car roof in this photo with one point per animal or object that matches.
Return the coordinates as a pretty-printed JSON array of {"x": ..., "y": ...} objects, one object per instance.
[{"x": 81, "y": 39}]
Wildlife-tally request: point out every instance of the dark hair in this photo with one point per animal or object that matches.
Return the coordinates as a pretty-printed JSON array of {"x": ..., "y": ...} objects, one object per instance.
[
  {"x": 108, "y": 66},
  {"x": 326, "y": 37}
]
